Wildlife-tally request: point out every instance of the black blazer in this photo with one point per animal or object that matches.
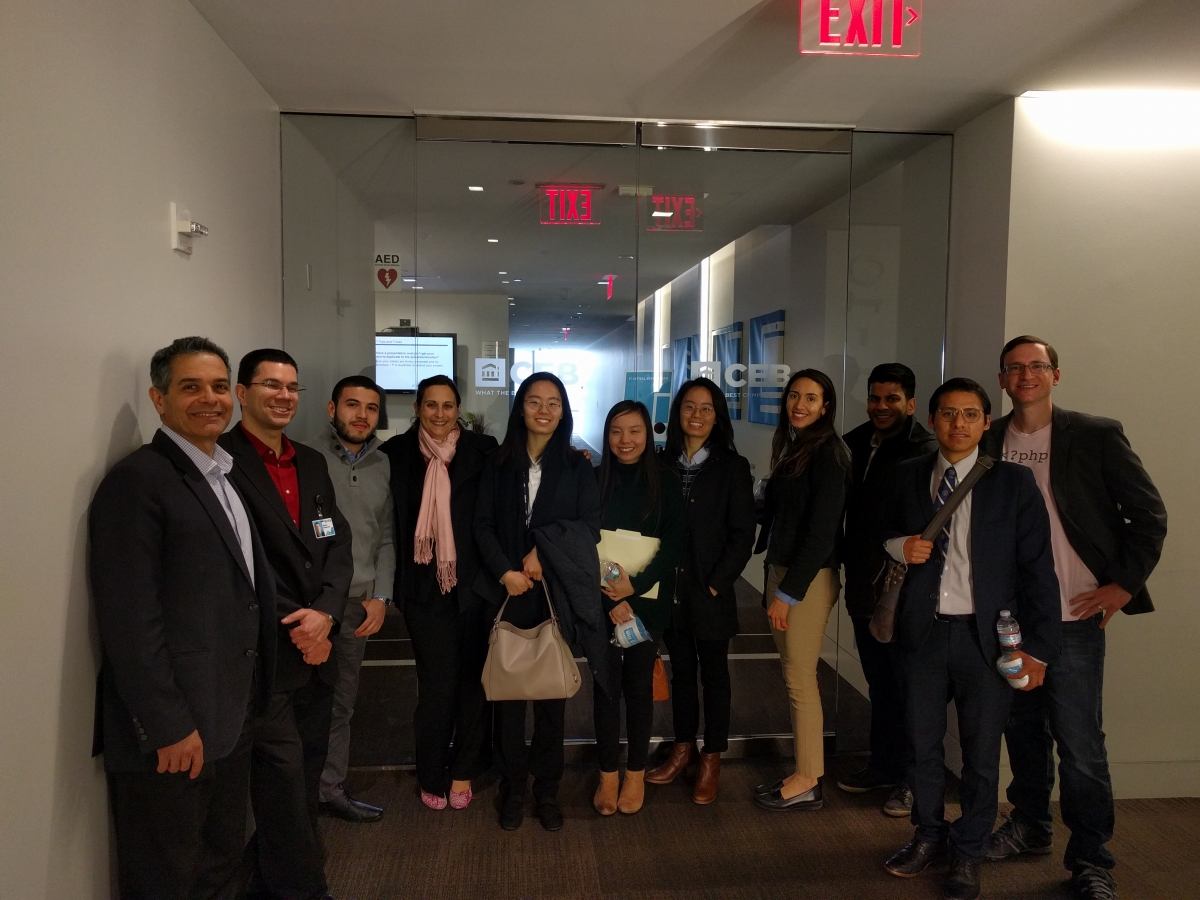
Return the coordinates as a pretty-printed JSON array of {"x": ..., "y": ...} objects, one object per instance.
[
  {"x": 718, "y": 544},
  {"x": 182, "y": 629},
  {"x": 408, "y": 482},
  {"x": 862, "y": 553},
  {"x": 1111, "y": 511},
  {"x": 309, "y": 571},
  {"x": 1012, "y": 566},
  {"x": 802, "y": 523}
]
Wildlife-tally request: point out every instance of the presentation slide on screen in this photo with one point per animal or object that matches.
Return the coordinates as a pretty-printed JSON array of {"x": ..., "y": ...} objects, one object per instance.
[{"x": 401, "y": 361}]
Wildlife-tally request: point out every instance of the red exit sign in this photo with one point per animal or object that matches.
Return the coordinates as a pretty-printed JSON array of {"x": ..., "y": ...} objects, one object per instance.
[
  {"x": 861, "y": 27},
  {"x": 674, "y": 213},
  {"x": 569, "y": 204}
]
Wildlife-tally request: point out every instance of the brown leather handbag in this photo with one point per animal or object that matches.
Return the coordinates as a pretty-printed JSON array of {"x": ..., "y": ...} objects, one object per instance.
[
  {"x": 529, "y": 663},
  {"x": 662, "y": 687}
]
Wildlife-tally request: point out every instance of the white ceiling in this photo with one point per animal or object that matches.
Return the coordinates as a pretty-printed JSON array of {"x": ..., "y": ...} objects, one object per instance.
[{"x": 732, "y": 60}]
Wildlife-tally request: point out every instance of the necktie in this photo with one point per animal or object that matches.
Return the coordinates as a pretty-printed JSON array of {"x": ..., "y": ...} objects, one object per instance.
[{"x": 945, "y": 488}]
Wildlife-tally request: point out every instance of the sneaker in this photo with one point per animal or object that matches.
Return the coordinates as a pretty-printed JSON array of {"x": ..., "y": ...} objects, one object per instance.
[
  {"x": 1014, "y": 839},
  {"x": 898, "y": 805},
  {"x": 865, "y": 779},
  {"x": 1093, "y": 883}
]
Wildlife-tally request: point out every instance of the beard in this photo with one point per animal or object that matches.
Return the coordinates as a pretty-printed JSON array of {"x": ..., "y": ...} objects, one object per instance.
[{"x": 346, "y": 435}]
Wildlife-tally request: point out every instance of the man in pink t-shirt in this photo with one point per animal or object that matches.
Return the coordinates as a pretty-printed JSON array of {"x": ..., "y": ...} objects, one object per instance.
[{"x": 1107, "y": 526}]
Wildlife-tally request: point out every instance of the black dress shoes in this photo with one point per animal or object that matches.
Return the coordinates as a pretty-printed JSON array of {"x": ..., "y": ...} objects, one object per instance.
[
  {"x": 343, "y": 806},
  {"x": 810, "y": 799},
  {"x": 550, "y": 815},
  {"x": 768, "y": 788},
  {"x": 963, "y": 881},
  {"x": 914, "y": 857},
  {"x": 512, "y": 812}
]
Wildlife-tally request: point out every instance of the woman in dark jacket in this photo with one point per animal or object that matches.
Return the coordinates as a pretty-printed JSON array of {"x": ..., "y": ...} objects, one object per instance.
[
  {"x": 535, "y": 480},
  {"x": 446, "y": 619},
  {"x": 805, "y": 500},
  {"x": 718, "y": 495},
  {"x": 640, "y": 494}
]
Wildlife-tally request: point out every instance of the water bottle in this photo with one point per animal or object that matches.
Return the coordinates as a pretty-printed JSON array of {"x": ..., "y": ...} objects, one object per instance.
[
  {"x": 609, "y": 572},
  {"x": 626, "y": 634},
  {"x": 1009, "y": 633}
]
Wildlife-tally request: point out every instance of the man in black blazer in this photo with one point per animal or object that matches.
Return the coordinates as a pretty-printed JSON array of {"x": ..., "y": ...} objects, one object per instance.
[
  {"x": 185, "y": 606},
  {"x": 891, "y": 435},
  {"x": 993, "y": 555},
  {"x": 291, "y": 498},
  {"x": 1107, "y": 524}
]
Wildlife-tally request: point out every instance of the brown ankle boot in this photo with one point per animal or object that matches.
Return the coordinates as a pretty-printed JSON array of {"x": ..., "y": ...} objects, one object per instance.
[
  {"x": 705, "y": 790},
  {"x": 683, "y": 754},
  {"x": 605, "y": 800},
  {"x": 633, "y": 792}
]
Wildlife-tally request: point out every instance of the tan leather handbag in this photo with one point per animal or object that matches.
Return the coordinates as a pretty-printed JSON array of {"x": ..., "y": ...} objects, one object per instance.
[{"x": 529, "y": 663}]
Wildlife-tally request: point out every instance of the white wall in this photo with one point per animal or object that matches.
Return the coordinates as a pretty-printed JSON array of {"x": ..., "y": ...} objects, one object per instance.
[
  {"x": 1102, "y": 262},
  {"x": 111, "y": 110}
]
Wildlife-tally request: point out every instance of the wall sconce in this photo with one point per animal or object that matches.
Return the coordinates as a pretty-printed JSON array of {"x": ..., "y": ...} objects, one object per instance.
[{"x": 182, "y": 230}]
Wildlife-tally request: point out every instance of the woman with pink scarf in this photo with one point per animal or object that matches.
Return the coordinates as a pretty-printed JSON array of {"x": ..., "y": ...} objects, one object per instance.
[{"x": 435, "y": 478}]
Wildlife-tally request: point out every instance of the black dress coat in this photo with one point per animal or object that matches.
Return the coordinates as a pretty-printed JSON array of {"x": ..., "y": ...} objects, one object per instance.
[
  {"x": 418, "y": 583},
  {"x": 802, "y": 520},
  {"x": 309, "y": 571},
  {"x": 1112, "y": 513},
  {"x": 862, "y": 552},
  {"x": 717, "y": 545},
  {"x": 182, "y": 628}
]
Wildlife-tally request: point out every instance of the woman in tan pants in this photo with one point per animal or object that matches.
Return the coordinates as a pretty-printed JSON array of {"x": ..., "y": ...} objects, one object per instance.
[{"x": 806, "y": 495}]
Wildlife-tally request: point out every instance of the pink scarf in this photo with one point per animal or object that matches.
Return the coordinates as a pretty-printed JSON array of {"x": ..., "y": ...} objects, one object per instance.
[{"x": 434, "y": 528}]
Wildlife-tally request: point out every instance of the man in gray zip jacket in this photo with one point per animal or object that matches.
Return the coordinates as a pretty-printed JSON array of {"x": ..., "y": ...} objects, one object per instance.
[{"x": 361, "y": 481}]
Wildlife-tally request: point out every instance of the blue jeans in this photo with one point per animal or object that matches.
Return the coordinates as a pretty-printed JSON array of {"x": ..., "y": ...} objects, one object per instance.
[{"x": 1068, "y": 710}]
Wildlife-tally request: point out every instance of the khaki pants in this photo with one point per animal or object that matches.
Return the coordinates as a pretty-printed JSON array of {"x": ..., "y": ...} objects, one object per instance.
[{"x": 799, "y": 650}]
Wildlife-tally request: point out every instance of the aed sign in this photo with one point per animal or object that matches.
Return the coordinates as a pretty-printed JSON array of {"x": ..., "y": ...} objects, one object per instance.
[
  {"x": 387, "y": 271},
  {"x": 568, "y": 204},
  {"x": 861, "y": 27},
  {"x": 674, "y": 213}
]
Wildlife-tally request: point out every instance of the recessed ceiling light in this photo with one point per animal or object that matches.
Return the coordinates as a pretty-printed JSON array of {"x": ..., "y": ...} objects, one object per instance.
[
  {"x": 493, "y": 240},
  {"x": 474, "y": 187},
  {"x": 501, "y": 273},
  {"x": 516, "y": 281},
  {"x": 417, "y": 287},
  {"x": 602, "y": 282},
  {"x": 408, "y": 279},
  {"x": 658, "y": 214},
  {"x": 512, "y": 304}
]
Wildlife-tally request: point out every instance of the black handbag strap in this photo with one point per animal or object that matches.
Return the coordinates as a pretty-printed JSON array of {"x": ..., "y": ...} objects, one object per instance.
[{"x": 957, "y": 496}]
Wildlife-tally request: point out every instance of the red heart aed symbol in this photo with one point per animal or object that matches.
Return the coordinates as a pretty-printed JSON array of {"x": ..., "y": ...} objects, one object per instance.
[{"x": 387, "y": 277}]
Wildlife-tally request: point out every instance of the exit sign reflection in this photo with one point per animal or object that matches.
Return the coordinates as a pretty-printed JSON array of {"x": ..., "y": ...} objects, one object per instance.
[
  {"x": 861, "y": 27},
  {"x": 569, "y": 204},
  {"x": 674, "y": 212}
]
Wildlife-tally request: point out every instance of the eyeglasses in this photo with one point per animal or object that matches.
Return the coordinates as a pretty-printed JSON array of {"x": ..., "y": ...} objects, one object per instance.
[
  {"x": 691, "y": 409},
  {"x": 534, "y": 405},
  {"x": 949, "y": 414},
  {"x": 276, "y": 386},
  {"x": 1037, "y": 368}
]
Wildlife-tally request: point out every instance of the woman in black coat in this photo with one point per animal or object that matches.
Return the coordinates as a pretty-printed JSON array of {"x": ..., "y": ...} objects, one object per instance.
[
  {"x": 449, "y": 628},
  {"x": 535, "y": 480},
  {"x": 718, "y": 495}
]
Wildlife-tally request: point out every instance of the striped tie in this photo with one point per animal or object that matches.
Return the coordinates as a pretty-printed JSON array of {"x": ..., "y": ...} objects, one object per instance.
[{"x": 949, "y": 480}]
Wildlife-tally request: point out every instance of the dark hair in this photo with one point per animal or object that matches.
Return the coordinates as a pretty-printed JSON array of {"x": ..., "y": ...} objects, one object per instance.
[
  {"x": 793, "y": 449},
  {"x": 358, "y": 381},
  {"x": 965, "y": 385},
  {"x": 1028, "y": 339},
  {"x": 252, "y": 360},
  {"x": 647, "y": 461},
  {"x": 162, "y": 360},
  {"x": 894, "y": 373},
  {"x": 722, "y": 433},
  {"x": 434, "y": 381},
  {"x": 516, "y": 439}
]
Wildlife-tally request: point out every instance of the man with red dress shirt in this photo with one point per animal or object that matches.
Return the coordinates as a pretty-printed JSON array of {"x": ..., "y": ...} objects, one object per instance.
[{"x": 290, "y": 496}]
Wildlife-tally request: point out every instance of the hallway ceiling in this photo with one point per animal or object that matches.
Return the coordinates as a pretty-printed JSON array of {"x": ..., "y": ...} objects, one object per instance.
[{"x": 734, "y": 60}]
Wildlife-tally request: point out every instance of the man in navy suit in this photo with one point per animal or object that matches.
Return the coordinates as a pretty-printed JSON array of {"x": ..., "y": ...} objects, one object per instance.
[{"x": 993, "y": 555}]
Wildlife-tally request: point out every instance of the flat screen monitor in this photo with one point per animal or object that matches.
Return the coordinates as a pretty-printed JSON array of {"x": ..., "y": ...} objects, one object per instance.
[{"x": 403, "y": 360}]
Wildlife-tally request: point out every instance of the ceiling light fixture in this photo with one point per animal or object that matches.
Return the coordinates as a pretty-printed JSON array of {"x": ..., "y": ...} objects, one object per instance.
[
  {"x": 660, "y": 214},
  {"x": 504, "y": 282},
  {"x": 512, "y": 304},
  {"x": 493, "y": 240},
  {"x": 474, "y": 187},
  {"x": 417, "y": 287},
  {"x": 516, "y": 281},
  {"x": 501, "y": 273},
  {"x": 408, "y": 279}
]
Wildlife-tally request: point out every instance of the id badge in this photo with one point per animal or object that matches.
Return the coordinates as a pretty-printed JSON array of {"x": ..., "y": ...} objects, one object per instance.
[{"x": 323, "y": 528}]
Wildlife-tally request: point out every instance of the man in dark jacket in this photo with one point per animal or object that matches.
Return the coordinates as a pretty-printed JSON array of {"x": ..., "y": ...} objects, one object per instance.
[
  {"x": 892, "y": 435},
  {"x": 1107, "y": 525}
]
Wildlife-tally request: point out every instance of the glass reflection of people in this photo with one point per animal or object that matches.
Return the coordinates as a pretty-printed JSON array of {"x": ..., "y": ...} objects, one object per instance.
[
  {"x": 637, "y": 493},
  {"x": 436, "y": 468},
  {"x": 538, "y": 498},
  {"x": 718, "y": 495},
  {"x": 805, "y": 499}
]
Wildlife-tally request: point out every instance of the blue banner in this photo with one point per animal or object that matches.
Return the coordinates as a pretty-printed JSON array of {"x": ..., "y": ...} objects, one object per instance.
[
  {"x": 766, "y": 348},
  {"x": 727, "y": 351}
]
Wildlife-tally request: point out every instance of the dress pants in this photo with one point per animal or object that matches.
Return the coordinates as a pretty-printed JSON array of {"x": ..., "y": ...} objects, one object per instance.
[
  {"x": 711, "y": 658},
  {"x": 951, "y": 665},
  {"x": 285, "y": 774},
  {"x": 544, "y": 758},
  {"x": 349, "y": 651},
  {"x": 636, "y": 665},
  {"x": 883, "y": 667},
  {"x": 453, "y": 719},
  {"x": 180, "y": 838},
  {"x": 1068, "y": 710}
]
